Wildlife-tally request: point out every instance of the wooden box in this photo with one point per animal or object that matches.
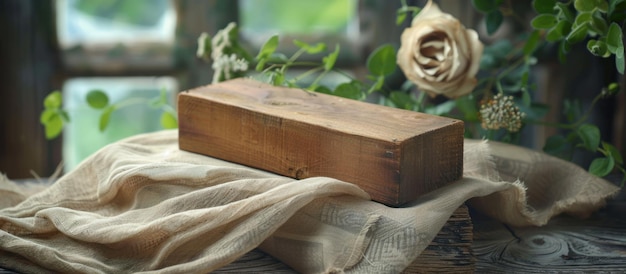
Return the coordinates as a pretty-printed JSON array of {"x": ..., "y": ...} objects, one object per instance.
[{"x": 395, "y": 155}]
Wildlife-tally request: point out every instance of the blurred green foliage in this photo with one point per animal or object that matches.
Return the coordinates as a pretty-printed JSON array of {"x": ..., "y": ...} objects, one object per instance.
[{"x": 136, "y": 12}]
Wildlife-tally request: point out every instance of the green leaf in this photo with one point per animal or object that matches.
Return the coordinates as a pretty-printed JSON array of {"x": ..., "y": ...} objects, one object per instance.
[
  {"x": 378, "y": 85},
  {"x": 486, "y": 6},
  {"x": 544, "y": 21},
  {"x": 268, "y": 48},
  {"x": 261, "y": 64},
  {"x": 602, "y": 6},
  {"x": 401, "y": 16},
  {"x": 105, "y": 117},
  {"x": 602, "y": 166},
  {"x": 168, "y": 120},
  {"x": 350, "y": 90},
  {"x": 53, "y": 126},
  {"x": 323, "y": 89},
  {"x": 310, "y": 49},
  {"x": 614, "y": 9},
  {"x": 493, "y": 20},
  {"x": 559, "y": 31},
  {"x": 531, "y": 43},
  {"x": 590, "y": 136},
  {"x": 402, "y": 100},
  {"x": 329, "y": 61},
  {"x": 613, "y": 88},
  {"x": 598, "y": 48},
  {"x": 382, "y": 61},
  {"x": 612, "y": 151},
  {"x": 277, "y": 57},
  {"x": 53, "y": 100},
  {"x": 544, "y": 6},
  {"x": 598, "y": 24},
  {"x": 564, "y": 11},
  {"x": 583, "y": 18},
  {"x": 46, "y": 114},
  {"x": 578, "y": 33},
  {"x": 97, "y": 99},
  {"x": 278, "y": 78},
  {"x": 584, "y": 5},
  {"x": 614, "y": 38}
]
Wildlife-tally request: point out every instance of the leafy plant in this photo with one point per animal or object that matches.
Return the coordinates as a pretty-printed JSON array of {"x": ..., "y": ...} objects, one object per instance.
[
  {"x": 273, "y": 67},
  {"x": 499, "y": 106},
  {"x": 598, "y": 22},
  {"x": 54, "y": 117}
]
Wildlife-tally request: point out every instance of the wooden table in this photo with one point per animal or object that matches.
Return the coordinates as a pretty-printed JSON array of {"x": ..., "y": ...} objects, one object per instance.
[{"x": 566, "y": 244}]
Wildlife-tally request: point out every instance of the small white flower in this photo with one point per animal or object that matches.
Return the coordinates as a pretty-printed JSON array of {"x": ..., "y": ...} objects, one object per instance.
[
  {"x": 225, "y": 65},
  {"x": 202, "y": 46}
]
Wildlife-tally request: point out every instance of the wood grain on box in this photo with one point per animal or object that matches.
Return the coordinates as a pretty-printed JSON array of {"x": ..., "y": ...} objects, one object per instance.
[{"x": 395, "y": 155}]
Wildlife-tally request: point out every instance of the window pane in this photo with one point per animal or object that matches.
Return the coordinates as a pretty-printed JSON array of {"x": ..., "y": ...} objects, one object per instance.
[
  {"x": 81, "y": 137},
  {"x": 330, "y": 21},
  {"x": 297, "y": 17},
  {"x": 116, "y": 35},
  {"x": 91, "y": 22}
]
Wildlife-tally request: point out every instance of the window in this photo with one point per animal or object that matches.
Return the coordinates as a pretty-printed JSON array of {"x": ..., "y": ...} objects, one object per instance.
[
  {"x": 109, "y": 35},
  {"x": 130, "y": 48},
  {"x": 82, "y": 137},
  {"x": 310, "y": 20},
  {"x": 102, "y": 42}
]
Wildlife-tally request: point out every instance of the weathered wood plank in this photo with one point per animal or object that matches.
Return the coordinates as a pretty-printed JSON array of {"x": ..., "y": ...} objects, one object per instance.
[
  {"x": 394, "y": 155},
  {"x": 451, "y": 250},
  {"x": 565, "y": 245},
  {"x": 256, "y": 261}
]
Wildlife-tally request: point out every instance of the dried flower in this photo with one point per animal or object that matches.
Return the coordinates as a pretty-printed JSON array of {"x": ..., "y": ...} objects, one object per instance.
[
  {"x": 439, "y": 54},
  {"x": 227, "y": 64},
  {"x": 500, "y": 112}
]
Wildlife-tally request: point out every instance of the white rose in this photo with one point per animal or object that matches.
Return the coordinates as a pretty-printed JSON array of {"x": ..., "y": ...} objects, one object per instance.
[{"x": 439, "y": 55}]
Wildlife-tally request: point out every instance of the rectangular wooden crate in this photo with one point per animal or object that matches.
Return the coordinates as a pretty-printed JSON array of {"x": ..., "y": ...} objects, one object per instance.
[{"x": 395, "y": 155}]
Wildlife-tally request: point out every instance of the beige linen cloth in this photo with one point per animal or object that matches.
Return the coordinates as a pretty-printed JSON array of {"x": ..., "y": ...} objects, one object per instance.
[{"x": 143, "y": 205}]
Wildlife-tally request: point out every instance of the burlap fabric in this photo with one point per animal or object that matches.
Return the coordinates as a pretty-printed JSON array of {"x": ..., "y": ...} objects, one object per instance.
[{"x": 143, "y": 205}]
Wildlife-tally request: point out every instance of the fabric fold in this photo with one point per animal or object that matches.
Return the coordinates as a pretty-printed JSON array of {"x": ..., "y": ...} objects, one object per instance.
[{"x": 143, "y": 205}]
